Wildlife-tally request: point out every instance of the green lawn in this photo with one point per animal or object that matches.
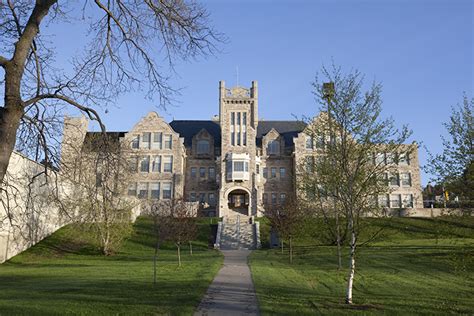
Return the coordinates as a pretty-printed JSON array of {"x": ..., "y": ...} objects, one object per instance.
[
  {"x": 414, "y": 266},
  {"x": 63, "y": 276}
]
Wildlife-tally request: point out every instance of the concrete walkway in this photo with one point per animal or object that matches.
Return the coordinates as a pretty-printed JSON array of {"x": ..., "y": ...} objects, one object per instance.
[{"x": 232, "y": 291}]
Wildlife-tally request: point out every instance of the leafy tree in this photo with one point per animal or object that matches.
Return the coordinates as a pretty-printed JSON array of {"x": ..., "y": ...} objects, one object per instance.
[
  {"x": 454, "y": 167},
  {"x": 127, "y": 40},
  {"x": 345, "y": 168}
]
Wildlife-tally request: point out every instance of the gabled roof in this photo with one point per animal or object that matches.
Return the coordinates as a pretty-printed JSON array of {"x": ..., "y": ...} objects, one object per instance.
[
  {"x": 287, "y": 129},
  {"x": 189, "y": 128}
]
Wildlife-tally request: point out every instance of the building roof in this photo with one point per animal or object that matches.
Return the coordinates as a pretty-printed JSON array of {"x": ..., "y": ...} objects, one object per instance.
[
  {"x": 92, "y": 139},
  {"x": 287, "y": 129},
  {"x": 189, "y": 128}
]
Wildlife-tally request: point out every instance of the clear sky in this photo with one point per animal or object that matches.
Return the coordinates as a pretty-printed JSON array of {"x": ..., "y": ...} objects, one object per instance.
[{"x": 421, "y": 50}]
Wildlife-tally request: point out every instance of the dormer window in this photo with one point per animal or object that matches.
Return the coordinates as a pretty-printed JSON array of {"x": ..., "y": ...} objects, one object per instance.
[
  {"x": 202, "y": 147},
  {"x": 146, "y": 140},
  {"x": 273, "y": 147}
]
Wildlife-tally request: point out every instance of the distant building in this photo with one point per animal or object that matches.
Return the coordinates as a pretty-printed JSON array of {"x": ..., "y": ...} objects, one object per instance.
[{"x": 233, "y": 163}]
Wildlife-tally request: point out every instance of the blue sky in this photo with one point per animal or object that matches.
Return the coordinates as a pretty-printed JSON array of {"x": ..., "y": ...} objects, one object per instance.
[{"x": 421, "y": 50}]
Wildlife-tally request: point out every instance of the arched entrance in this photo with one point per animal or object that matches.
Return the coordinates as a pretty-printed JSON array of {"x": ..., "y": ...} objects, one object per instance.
[{"x": 238, "y": 200}]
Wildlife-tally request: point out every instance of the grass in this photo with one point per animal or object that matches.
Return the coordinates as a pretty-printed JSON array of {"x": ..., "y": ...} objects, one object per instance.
[
  {"x": 62, "y": 275},
  {"x": 414, "y": 266}
]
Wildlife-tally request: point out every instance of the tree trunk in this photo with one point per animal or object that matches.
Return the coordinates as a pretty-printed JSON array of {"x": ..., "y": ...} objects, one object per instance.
[
  {"x": 281, "y": 243},
  {"x": 291, "y": 251},
  {"x": 338, "y": 239},
  {"x": 13, "y": 110},
  {"x": 191, "y": 248},
  {"x": 179, "y": 254},
  {"x": 350, "y": 280},
  {"x": 155, "y": 258}
]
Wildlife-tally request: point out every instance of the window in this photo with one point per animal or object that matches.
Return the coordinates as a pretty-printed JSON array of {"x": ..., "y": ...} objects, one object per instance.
[
  {"x": 229, "y": 166},
  {"x": 390, "y": 158},
  {"x": 274, "y": 172},
  {"x": 98, "y": 180},
  {"x": 211, "y": 199},
  {"x": 273, "y": 147},
  {"x": 212, "y": 173},
  {"x": 282, "y": 198},
  {"x": 202, "y": 197},
  {"x": 244, "y": 118},
  {"x": 232, "y": 138},
  {"x": 193, "y": 172},
  {"x": 192, "y": 197},
  {"x": 274, "y": 198},
  {"x": 320, "y": 141},
  {"x": 282, "y": 173},
  {"x": 265, "y": 198},
  {"x": 309, "y": 142},
  {"x": 232, "y": 118},
  {"x": 132, "y": 164},
  {"x": 395, "y": 200},
  {"x": 146, "y": 140},
  {"x": 132, "y": 189},
  {"x": 136, "y": 142},
  {"x": 246, "y": 165},
  {"x": 265, "y": 173},
  {"x": 155, "y": 190},
  {"x": 257, "y": 169},
  {"x": 393, "y": 178},
  {"x": 405, "y": 179},
  {"x": 379, "y": 158},
  {"x": 383, "y": 201},
  {"x": 239, "y": 166},
  {"x": 168, "y": 141},
  {"x": 168, "y": 164},
  {"x": 156, "y": 164},
  {"x": 166, "y": 187},
  {"x": 404, "y": 159},
  {"x": 407, "y": 200},
  {"x": 143, "y": 190},
  {"x": 309, "y": 163},
  {"x": 202, "y": 172},
  {"x": 238, "y": 118},
  {"x": 145, "y": 164},
  {"x": 238, "y": 138},
  {"x": 202, "y": 147},
  {"x": 157, "y": 141}
]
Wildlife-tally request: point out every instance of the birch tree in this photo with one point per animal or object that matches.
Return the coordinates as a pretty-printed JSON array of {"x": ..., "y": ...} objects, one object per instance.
[
  {"x": 130, "y": 45},
  {"x": 354, "y": 134}
]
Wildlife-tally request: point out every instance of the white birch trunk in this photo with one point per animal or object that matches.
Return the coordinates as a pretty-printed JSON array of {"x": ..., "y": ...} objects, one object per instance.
[{"x": 350, "y": 280}]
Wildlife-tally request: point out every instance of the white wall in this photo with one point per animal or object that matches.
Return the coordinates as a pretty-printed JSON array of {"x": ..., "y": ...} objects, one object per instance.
[{"x": 27, "y": 213}]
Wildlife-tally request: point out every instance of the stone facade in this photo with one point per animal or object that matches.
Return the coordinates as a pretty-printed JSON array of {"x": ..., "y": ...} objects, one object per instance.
[{"x": 234, "y": 163}]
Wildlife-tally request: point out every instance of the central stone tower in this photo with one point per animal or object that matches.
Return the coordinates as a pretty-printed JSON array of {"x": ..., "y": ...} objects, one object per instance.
[{"x": 238, "y": 117}]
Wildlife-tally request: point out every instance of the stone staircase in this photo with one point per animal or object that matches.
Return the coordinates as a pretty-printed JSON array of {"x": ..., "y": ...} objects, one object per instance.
[{"x": 238, "y": 233}]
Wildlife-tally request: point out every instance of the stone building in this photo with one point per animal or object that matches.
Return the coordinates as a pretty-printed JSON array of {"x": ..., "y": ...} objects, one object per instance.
[{"x": 233, "y": 163}]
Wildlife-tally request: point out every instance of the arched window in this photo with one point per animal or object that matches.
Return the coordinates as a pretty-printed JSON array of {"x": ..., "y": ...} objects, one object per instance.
[{"x": 203, "y": 146}]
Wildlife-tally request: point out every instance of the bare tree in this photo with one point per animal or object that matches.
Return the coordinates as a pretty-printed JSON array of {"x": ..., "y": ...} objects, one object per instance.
[
  {"x": 287, "y": 219},
  {"x": 174, "y": 221},
  {"x": 347, "y": 169},
  {"x": 95, "y": 195},
  {"x": 127, "y": 41}
]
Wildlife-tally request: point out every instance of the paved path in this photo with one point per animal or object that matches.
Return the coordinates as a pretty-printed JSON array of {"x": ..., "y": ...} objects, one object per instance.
[{"x": 232, "y": 291}]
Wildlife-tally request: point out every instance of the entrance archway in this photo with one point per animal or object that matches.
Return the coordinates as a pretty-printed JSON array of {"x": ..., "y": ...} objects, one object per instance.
[{"x": 238, "y": 200}]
